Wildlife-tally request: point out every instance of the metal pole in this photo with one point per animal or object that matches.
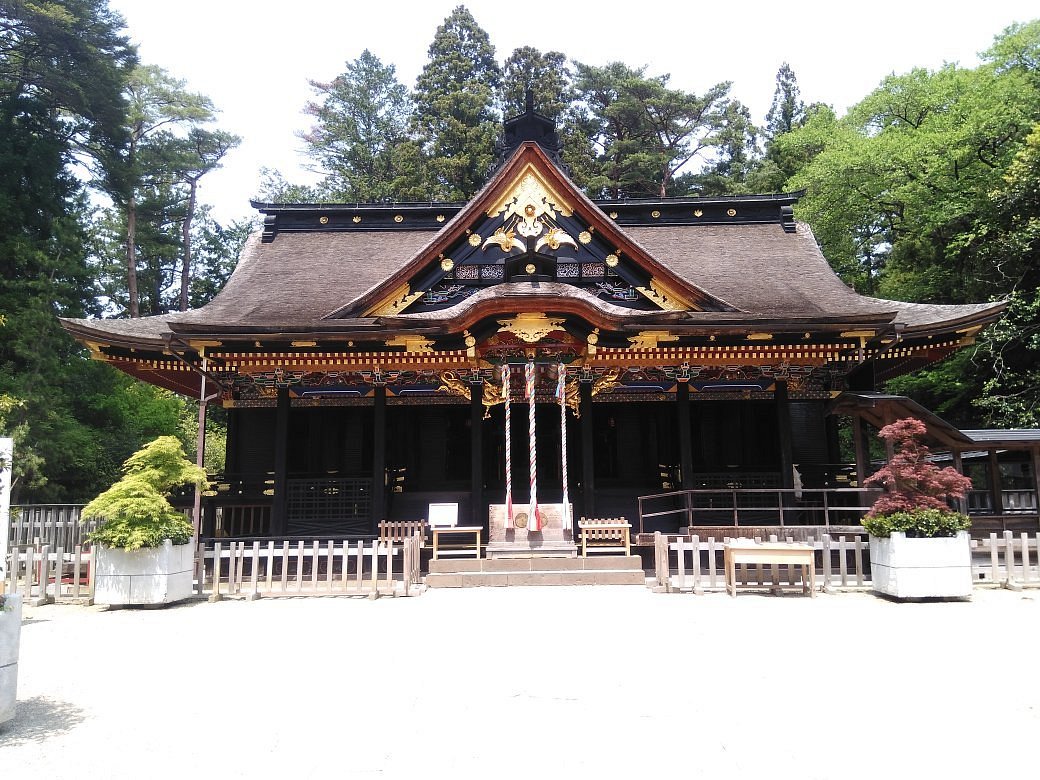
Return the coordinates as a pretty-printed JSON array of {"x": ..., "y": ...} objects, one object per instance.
[{"x": 200, "y": 444}]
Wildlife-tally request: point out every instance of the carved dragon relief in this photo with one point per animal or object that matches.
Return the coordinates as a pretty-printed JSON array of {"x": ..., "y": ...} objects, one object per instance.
[
  {"x": 491, "y": 394},
  {"x": 452, "y": 383}
]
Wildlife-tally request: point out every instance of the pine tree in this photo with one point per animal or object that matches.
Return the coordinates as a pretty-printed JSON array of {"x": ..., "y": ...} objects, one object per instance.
[
  {"x": 361, "y": 121},
  {"x": 455, "y": 117}
]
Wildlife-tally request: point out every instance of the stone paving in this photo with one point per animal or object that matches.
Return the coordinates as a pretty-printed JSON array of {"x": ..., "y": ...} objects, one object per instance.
[{"x": 597, "y": 682}]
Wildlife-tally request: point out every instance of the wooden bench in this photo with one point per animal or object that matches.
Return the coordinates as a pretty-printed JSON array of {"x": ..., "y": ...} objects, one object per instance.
[
  {"x": 774, "y": 553},
  {"x": 608, "y": 535},
  {"x": 396, "y": 531}
]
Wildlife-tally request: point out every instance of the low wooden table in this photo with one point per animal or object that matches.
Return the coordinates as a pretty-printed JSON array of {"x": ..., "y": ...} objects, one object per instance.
[
  {"x": 770, "y": 552},
  {"x": 457, "y": 529}
]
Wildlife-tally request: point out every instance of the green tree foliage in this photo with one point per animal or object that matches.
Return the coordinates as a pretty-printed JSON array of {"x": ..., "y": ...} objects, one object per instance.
[
  {"x": 161, "y": 111},
  {"x": 787, "y": 112},
  {"x": 455, "y": 119},
  {"x": 201, "y": 153},
  {"x": 926, "y": 191},
  {"x": 361, "y": 120},
  {"x": 62, "y": 71},
  {"x": 546, "y": 74},
  {"x": 643, "y": 131},
  {"x": 135, "y": 509}
]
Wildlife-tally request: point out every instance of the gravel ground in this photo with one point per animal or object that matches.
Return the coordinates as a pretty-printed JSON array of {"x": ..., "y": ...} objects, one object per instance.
[{"x": 597, "y": 682}]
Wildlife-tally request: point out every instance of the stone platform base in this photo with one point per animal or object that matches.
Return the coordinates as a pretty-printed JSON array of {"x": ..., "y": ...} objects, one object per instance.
[{"x": 599, "y": 570}]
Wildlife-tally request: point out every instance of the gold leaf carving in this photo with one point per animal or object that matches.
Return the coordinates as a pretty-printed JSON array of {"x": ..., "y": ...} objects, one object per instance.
[
  {"x": 649, "y": 339},
  {"x": 531, "y": 326},
  {"x": 505, "y": 239},
  {"x": 665, "y": 297},
  {"x": 529, "y": 197},
  {"x": 554, "y": 239},
  {"x": 413, "y": 344},
  {"x": 396, "y": 302}
]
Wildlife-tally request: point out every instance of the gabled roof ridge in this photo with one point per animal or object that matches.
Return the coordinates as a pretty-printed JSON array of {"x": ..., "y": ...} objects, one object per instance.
[{"x": 453, "y": 229}]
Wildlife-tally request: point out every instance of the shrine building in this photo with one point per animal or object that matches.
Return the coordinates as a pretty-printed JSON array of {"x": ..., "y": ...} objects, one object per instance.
[{"x": 365, "y": 353}]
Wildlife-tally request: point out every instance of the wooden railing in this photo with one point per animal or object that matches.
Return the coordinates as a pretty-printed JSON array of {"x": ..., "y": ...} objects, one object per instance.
[
  {"x": 689, "y": 563},
  {"x": 667, "y": 512},
  {"x": 48, "y": 574},
  {"x": 692, "y": 563},
  {"x": 56, "y": 525},
  {"x": 1012, "y": 501},
  {"x": 300, "y": 568},
  {"x": 1008, "y": 560}
]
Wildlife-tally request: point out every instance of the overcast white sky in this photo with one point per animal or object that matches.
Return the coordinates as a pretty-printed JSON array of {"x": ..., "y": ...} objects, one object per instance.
[{"x": 253, "y": 57}]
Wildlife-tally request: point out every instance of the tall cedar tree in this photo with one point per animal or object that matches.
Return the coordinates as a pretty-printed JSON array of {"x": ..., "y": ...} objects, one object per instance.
[
  {"x": 545, "y": 74},
  {"x": 786, "y": 113},
  {"x": 787, "y": 110},
  {"x": 455, "y": 117},
  {"x": 361, "y": 121}
]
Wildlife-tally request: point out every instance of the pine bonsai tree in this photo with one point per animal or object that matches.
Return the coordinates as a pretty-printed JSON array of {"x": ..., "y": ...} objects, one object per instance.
[
  {"x": 916, "y": 490},
  {"x": 135, "y": 509}
]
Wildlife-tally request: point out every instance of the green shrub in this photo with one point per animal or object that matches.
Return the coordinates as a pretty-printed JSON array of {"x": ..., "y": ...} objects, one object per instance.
[
  {"x": 135, "y": 510},
  {"x": 918, "y": 523}
]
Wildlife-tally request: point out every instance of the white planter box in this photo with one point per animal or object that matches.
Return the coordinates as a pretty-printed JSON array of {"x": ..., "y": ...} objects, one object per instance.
[
  {"x": 921, "y": 568},
  {"x": 10, "y": 631},
  {"x": 155, "y": 575}
]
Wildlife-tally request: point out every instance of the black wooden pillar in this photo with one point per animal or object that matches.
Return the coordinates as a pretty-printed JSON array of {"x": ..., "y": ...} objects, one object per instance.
[
  {"x": 958, "y": 465},
  {"x": 476, "y": 432},
  {"x": 231, "y": 443},
  {"x": 378, "y": 510},
  {"x": 995, "y": 490},
  {"x": 1034, "y": 459},
  {"x": 588, "y": 486},
  {"x": 833, "y": 439},
  {"x": 861, "y": 446},
  {"x": 783, "y": 424},
  {"x": 280, "y": 507},
  {"x": 682, "y": 399}
]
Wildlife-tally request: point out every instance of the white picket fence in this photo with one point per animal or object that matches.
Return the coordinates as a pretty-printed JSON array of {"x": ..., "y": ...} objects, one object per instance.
[
  {"x": 314, "y": 568},
  {"x": 239, "y": 569},
  {"x": 692, "y": 564},
  {"x": 1007, "y": 560},
  {"x": 689, "y": 563},
  {"x": 48, "y": 573}
]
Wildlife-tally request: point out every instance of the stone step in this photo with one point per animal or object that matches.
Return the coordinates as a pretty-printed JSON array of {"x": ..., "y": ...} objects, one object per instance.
[
  {"x": 497, "y": 565},
  {"x": 478, "y": 579}
]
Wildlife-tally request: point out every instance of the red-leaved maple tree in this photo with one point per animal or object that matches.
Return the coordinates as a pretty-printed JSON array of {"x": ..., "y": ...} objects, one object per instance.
[{"x": 910, "y": 480}]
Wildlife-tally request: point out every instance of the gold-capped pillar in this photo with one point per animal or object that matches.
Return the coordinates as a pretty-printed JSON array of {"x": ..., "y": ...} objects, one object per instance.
[
  {"x": 478, "y": 514},
  {"x": 280, "y": 506},
  {"x": 783, "y": 422},
  {"x": 588, "y": 482},
  {"x": 682, "y": 401},
  {"x": 378, "y": 504}
]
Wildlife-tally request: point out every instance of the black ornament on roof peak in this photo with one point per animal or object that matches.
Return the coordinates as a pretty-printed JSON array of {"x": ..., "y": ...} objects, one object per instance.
[{"x": 529, "y": 126}]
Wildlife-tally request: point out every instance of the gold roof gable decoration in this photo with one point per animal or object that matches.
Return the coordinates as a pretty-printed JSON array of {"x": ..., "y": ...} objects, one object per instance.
[
  {"x": 529, "y": 198},
  {"x": 531, "y": 327}
]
